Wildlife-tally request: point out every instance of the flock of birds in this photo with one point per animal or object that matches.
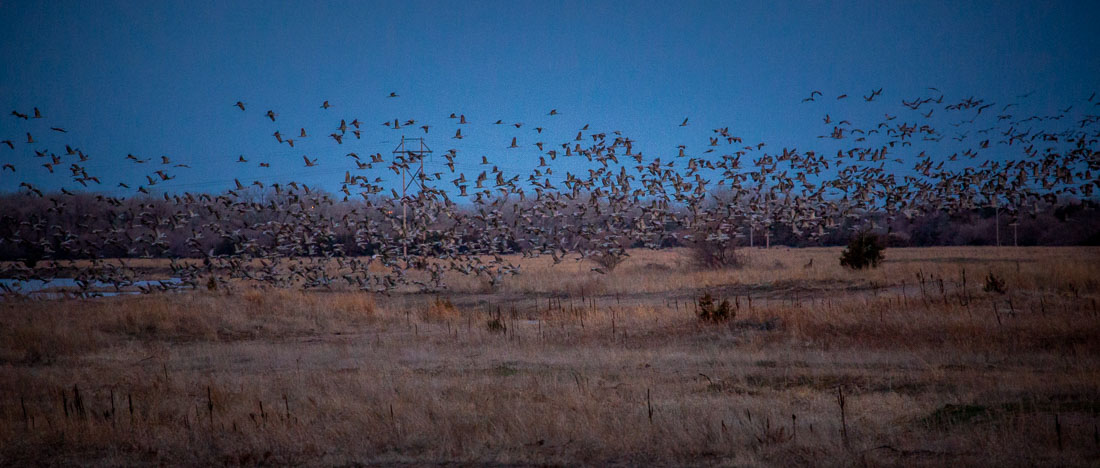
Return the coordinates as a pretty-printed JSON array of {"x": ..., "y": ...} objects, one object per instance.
[{"x": 719, "y": 193}]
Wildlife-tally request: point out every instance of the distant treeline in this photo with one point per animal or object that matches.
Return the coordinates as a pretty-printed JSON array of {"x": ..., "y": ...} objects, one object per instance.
[{"x": 83, "y": 226}]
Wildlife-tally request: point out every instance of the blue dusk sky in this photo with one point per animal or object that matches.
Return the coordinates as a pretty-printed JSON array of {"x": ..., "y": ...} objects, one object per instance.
[{"x": 161, "y": 78}]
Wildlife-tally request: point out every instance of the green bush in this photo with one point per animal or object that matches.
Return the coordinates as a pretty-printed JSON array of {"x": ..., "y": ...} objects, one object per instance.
[{"x": 864, "y": 251}]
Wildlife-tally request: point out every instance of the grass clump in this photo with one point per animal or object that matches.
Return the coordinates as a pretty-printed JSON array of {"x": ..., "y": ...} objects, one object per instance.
[
  {"x": 496, "y": 325},
  {"x": 440, "y": 310},
  {"x": 994, "y": 284},
  {"x": 709, "y": 312}
]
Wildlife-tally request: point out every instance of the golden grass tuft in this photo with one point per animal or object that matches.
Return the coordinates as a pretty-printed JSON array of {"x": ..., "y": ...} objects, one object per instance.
[{"x": 440, "y": 310}]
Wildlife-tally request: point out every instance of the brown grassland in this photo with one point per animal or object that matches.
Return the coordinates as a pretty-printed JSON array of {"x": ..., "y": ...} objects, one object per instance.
[{"x": 912, "y": 363}]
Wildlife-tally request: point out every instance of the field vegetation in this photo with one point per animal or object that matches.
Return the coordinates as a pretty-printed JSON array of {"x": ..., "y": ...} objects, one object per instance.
[{"x": 940, "y": 356}]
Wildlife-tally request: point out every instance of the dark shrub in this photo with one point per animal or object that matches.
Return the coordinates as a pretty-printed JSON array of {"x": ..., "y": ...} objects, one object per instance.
[
  {"x": 715, "y": 254},
  {"x": 864, "y": 251},
  {"x": 610, "y": 259},
  {"x": 994, "y": 283}
]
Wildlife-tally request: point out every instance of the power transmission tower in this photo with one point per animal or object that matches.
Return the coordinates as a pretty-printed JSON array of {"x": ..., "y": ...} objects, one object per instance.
[{"x": 410, "y": 153}]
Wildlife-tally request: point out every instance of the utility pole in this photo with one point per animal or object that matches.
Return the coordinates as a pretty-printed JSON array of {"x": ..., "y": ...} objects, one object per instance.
[
  {"x": 997, "y": 220},
  {"x": 404, "y": 155}
]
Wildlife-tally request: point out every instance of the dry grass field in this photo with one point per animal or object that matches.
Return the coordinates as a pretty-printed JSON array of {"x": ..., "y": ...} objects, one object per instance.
[{"x": 913, "y": 363}]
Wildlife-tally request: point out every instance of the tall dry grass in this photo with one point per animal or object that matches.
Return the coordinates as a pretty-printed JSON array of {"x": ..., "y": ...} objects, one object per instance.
[{"x": 591, "y": 369}]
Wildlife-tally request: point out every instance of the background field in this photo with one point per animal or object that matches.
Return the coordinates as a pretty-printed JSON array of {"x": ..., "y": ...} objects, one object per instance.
[{"x": 584, "y": 368}]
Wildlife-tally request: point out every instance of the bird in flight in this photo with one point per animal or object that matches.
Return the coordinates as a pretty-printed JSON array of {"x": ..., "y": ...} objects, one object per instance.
[
  {"x": 392, "y": 95},
  {"x": 308, "y": 162},
  {"x": 684, "y": 123},
  {"x": 553, "y": 112},
  {"x": 325, "y": 105},
  {"x": 271, "y": 115},
  {"x": 239, "y": 104}
]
